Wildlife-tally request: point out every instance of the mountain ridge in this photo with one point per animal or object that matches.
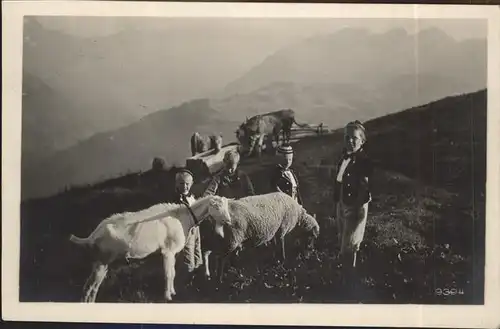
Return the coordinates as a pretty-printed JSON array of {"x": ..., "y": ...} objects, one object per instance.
[
  {"x": 346, "y": 46},
  {"x": 335, "y": 103},
  {"x": 126, "y": 149}
]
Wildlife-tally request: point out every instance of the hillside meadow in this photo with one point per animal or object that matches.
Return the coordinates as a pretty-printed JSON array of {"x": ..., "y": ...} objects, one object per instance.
[{"x": 425, "y": 231}]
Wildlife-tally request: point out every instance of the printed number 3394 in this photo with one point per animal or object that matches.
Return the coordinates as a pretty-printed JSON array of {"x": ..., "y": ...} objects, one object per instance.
[{"x": 449, "y": 292}]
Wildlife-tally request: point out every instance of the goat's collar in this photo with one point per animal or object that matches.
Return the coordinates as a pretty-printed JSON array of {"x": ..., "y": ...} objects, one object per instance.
[{"x": 197, "y": 221}]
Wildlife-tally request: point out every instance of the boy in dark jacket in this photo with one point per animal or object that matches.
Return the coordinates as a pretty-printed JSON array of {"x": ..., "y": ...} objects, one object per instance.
[
  {"x": 352, "y": 192},
  {"x": 230, "y": 182},
  {"x": 283, "y": 177}
]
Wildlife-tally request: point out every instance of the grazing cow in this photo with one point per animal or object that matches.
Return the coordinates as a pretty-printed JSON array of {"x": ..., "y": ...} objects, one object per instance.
[
  {"x": 253, "y": 130},
  {"x": 200, "y": 144}
]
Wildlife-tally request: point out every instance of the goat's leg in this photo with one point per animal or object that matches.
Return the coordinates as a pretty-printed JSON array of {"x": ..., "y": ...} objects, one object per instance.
[
  {"x": 206, "y": 260},
  {"x": 251, "y": 146},
  {"x": 99, "y": 272},
  {"x": 89, "y": 283},
  {"x": 260, "y": 142},
  {"x": 171, "y": 274},
  {"x": 87, "y": 288},
  {"x": 354, "y": 256},
  {"x": 172, "y": 278},
  {"x": 101, "y": 275},
  {"x": 169, "y": 271},
  {"x": 169, "y": 268}
]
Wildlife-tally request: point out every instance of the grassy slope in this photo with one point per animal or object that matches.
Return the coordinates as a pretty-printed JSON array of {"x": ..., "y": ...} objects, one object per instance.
[{"x": 425, "y": 230}]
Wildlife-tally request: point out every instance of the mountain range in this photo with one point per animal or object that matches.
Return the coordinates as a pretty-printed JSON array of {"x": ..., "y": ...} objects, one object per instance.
[
  {"x": 350, "y": 74},
  {"x": 356, "y": 56},
  {"x": 108, "y": 82},
  {"x": 354, "y": 70},
  {"x": 164, "y": 134}
]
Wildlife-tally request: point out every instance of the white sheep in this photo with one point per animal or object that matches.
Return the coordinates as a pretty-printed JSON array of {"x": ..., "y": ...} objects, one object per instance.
[
  {"x": 138, "y": 234},
  {"x": 258, "y": 219}
]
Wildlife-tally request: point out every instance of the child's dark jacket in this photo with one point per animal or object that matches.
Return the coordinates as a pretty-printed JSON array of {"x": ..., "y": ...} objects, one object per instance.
[
  {"x": 355, "y": 187},
  {"x": 280, "y": 181}
]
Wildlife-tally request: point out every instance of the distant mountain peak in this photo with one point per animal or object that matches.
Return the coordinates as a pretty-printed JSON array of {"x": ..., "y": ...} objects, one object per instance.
[
  {"x": 200, "y": 106},
  {"x": 353, "y": 31},
  {"x": 435, "y": 34},
  {"x": 356, "y": 55},
  {"x": 395, "y": 33},
  {"x": 197, "y": 110},
  {"x": 345, "y": 33}
]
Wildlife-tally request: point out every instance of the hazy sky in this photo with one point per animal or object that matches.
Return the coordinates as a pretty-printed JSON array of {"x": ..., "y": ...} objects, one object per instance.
[
  {"x": 253, "y": 39},
  {"x": 242, "y": 43},
  {"x": 283, "y": 28}
]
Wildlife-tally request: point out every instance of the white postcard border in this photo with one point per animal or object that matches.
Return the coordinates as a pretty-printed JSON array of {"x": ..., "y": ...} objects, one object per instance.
[{"x": 486, "y": 316}]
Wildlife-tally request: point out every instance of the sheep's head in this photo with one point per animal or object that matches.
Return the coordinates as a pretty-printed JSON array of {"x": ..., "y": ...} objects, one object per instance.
[
  {"x": 309, "y": 224},
  {"x": 219, "y": 211}
]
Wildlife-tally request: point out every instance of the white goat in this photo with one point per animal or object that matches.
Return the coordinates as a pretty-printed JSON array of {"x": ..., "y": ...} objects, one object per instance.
[
  {"x": 138, "y": 234},
  {"x": 258, "y": 219}
]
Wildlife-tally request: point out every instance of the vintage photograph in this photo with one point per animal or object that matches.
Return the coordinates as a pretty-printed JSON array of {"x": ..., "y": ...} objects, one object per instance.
[{"x": 253, "y": 160}]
